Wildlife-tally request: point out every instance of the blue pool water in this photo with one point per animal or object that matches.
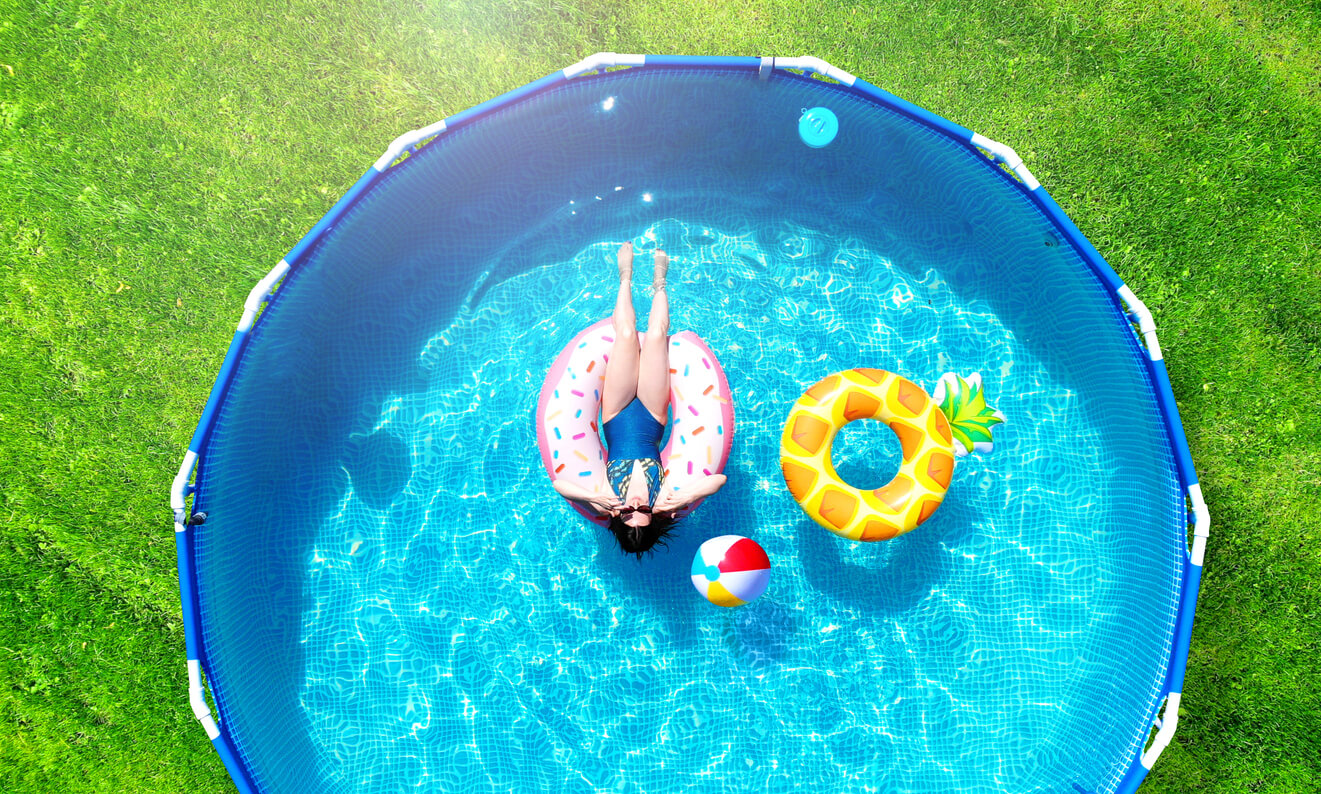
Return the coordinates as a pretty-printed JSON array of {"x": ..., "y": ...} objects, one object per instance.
[{"x": 395, "y": 599}]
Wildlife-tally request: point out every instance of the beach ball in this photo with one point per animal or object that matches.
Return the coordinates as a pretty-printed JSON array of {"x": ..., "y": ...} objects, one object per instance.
[{"x": 731, "y": 570}]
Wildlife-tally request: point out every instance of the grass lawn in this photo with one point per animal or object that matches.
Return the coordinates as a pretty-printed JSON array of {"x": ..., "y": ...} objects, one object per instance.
[{"x": 157, "y": 158}]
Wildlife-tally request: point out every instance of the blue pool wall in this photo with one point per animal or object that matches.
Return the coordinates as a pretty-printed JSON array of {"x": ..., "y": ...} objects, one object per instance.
[{"x": 364, "y": 187}]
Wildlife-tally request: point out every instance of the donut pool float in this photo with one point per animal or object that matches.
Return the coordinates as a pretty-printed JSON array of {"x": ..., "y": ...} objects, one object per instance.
[{"x": 701, "y": 426}]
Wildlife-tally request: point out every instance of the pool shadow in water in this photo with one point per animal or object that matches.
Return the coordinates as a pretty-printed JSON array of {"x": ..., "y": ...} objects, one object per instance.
[
  {"x": 761, "y": 633},
  {"x": 379, "y": 465},
  {"x": 662, "y": 578},
  {"x": 659, "y": 582},
  {"x": 886, "y": 577}
]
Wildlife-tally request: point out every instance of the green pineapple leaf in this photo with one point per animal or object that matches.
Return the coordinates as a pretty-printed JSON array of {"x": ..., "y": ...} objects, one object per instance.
[{"x": 970, "y": 419}]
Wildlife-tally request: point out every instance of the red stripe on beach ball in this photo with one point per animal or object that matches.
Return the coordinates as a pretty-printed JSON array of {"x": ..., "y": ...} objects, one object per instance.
[{"x": 745, "y": 555}]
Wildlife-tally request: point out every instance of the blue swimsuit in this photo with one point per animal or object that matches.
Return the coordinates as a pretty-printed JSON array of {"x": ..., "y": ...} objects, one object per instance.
[{"x": 633, "y": 435}]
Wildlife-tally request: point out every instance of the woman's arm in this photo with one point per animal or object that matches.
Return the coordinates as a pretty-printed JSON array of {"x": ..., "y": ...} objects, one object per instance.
[
  {"x": 599, "y": 502},
  {"x": 677, "y": 500}
]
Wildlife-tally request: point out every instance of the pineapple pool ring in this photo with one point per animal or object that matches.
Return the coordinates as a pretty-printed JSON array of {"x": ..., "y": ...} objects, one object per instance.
[{"x": 923, "y": 431}]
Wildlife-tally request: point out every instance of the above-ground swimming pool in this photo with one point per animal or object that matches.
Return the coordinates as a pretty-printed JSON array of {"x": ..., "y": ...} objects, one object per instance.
[{"x": 387, "y": 594}]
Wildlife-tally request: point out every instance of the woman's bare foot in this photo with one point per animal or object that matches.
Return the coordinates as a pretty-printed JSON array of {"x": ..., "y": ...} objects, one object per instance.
[
  {"x": 662, "y": 266},
  {"x": 626, "y": 262}
]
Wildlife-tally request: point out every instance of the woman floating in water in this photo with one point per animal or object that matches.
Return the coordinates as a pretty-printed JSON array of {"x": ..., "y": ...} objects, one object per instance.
[{"x": 636, "y": 493}]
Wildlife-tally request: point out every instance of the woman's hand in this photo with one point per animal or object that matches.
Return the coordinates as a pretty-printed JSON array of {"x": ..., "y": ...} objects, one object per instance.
[
  {"x": 605, "y": 504},
  {"x": 669, "y": 502},
  {"x": 602, "y": 500}
]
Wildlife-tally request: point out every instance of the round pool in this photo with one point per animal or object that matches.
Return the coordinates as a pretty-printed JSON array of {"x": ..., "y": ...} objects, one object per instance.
[{"x": 388, "y": 595}]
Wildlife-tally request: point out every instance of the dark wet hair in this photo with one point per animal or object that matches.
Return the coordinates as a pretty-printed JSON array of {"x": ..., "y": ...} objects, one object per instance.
[{"x": 639, "y": 540}]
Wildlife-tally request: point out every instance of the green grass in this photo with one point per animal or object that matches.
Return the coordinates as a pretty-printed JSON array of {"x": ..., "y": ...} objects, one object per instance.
[{"x": 155, "y": 161}]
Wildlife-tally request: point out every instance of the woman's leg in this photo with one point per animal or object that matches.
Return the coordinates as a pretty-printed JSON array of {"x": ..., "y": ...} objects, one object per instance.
[
  {"x": 621, "y": 371},
  {"x": 654, "y": 365}
]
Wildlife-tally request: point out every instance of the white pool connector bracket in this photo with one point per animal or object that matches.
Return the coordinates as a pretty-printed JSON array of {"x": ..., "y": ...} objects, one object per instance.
[
  {"x": 1201, "y": 524},
  {"x": 260, "y": 294},
  {"x": 1165, "y": 734},
  {"x": 196, "y": 695},
  {"x": 813, "y": 64},
  {"x": 179, "y": 491},
  {"x": 1166, "y": 726},
  {"x": 1146, "y": 325},
  {"x": 197, "y": 698},
  {"x": 406, "y": 141},
  {"x": 1009, "y": 157},
  {"x": 603, "y": 60}
]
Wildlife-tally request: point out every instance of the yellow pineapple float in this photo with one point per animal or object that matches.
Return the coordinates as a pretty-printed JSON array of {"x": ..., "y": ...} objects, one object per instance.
[{"x": 932, "y": 432}]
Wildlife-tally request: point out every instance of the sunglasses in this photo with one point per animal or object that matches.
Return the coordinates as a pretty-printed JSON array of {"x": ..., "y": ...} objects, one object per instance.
[{"x": 628, "y": 511}]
